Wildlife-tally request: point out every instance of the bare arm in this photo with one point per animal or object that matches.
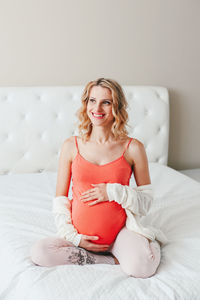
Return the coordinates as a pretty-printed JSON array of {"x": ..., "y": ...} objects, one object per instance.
[
  {"x": 137, "y": 200},
  {"x": 140, "y": 163},
  {"x": 64, "y": 168},
  {"x": 61, "y": 203}
]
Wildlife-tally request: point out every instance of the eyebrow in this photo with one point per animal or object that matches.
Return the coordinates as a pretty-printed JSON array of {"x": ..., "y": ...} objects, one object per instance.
[{"x": 102, "y": 99}]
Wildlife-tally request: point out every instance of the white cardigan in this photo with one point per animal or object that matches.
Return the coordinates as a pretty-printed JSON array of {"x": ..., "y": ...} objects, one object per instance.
[
  {"x": 136, "y": 202},
  {"x": 62, "y": 214}
]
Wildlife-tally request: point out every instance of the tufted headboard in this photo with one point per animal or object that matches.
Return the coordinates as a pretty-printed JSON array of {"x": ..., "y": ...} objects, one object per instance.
[{"x": 34, "y": 121}]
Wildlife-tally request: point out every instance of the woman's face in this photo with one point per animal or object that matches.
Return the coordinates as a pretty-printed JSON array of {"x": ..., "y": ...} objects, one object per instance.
[{"x": 99, "y": 107}]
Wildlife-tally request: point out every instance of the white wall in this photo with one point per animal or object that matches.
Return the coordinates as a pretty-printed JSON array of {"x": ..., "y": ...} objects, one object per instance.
[{"x": 137, "y": 42}]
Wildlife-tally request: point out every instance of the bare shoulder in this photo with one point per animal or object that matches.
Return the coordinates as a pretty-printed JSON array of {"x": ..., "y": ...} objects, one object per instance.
[
  {"x": 136, "y": 145},
  {"x": 67, "y": 148},
  {"x": 68, "y": 143},
  {"x": 137, "y": 151},
  {"x": 140, "y": 162}
]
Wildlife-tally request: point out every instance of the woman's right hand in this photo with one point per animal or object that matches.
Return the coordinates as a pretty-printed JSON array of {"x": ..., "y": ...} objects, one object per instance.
[{"x": 86, "y": 244}]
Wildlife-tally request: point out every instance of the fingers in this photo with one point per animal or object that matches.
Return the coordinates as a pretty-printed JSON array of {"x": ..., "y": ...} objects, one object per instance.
[
  {"x": 97, "y": 251},
  {"x": 94, "y": 237},
  {"x": 87, "y": 198},
  {"x": 87, "y": 195},
  {"x": 89, "y": 192},
  {"x": 94, "y": 247},
  {"x": 97, "y": 248},
  {"x": 94, "y": 202}
]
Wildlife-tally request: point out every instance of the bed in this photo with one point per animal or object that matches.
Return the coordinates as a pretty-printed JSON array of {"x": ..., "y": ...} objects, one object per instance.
[
  {"x": 193, "y": 173},
  {"x": 34, "y": 121}
]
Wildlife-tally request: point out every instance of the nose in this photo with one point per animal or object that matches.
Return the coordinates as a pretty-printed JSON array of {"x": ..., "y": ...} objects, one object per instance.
[{"x": 98, "y": 107}]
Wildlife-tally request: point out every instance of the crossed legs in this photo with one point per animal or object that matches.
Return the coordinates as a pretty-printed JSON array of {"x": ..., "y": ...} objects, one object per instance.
[
  {"x": 53, "y": 251},
  {"x": 136, "y": 255}
]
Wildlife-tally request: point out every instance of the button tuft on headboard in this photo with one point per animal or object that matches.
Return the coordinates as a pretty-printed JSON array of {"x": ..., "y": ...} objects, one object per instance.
[{"x": 35, "y": 121}]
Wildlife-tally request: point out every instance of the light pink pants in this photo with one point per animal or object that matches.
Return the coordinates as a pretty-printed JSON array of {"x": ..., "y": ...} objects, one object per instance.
[{"x": 136, "y": 255}]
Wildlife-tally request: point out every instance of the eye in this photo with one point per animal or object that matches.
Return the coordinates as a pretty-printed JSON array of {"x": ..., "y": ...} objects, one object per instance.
[
  {"x": 106, "y": 102},
  {"x": 91, "y": 100}
]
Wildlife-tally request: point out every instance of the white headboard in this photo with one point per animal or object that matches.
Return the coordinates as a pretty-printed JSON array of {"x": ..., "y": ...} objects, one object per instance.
[{"x": 34, "y": 121}]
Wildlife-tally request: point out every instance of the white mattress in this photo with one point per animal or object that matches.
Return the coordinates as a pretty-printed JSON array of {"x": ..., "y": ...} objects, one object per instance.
[
  {"x": 193, "y": 173},
  {"x": 25, "y": 216}
]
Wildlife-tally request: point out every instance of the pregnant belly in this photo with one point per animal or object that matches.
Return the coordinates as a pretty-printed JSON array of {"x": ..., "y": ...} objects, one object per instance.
[{"x": 104, "y": 220}]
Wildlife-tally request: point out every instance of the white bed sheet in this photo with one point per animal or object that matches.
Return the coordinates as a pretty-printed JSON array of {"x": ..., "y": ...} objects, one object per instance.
[{"x": 25, "y": 216}]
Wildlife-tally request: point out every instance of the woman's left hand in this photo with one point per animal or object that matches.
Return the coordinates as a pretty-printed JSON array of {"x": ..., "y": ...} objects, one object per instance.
[{"x": 97, "y": 192}]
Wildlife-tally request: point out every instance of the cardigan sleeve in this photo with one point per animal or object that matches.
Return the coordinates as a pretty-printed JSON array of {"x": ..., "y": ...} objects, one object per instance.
[
  {"x": 138, "y": 200},
  {"x": 62, "y": 216}
]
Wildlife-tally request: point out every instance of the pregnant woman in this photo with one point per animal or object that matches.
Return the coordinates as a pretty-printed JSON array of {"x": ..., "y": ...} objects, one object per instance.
[{"x": 101, "y": 223}]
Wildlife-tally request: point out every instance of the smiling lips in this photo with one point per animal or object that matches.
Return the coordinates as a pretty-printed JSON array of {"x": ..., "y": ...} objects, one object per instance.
[{"x": 98, "y": 116}]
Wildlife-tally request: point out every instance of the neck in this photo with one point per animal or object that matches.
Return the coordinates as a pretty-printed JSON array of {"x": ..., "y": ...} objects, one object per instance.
[{"x": 101, "y": 135}]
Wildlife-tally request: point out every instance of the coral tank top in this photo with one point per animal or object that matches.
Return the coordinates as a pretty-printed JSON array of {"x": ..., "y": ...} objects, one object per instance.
[{"x": 104, "y": 219}]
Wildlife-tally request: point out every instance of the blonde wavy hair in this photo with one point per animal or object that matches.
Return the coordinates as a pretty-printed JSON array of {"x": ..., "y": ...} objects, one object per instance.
[{"x": 119, "y": 107}]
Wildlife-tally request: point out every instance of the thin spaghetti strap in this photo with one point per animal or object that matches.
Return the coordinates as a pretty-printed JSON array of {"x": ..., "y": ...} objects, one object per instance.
[
  {"x": 76, "y": 143},
  {"x": 127, "y": 145}
]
